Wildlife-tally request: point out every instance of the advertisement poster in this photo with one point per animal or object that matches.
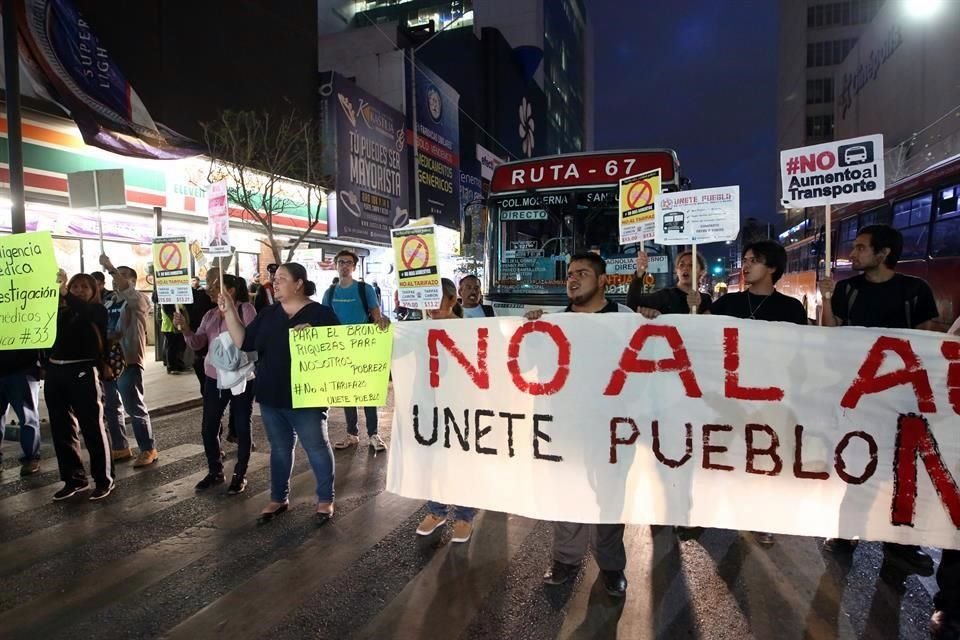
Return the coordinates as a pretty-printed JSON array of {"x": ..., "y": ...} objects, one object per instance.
[
  {"x": 171, "y": 270},
  {"x": 365, "y": 149},
  {"x": 637, "y": 200},
  {"x": 218, "y": 221},
  {"x": 438, "y": 140},
  {"x": 699, "y": 216},
  {"x": 417, "y": 258}
]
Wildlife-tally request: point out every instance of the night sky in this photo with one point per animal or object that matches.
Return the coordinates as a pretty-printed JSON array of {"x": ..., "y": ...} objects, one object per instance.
[{"x": 697, "y": 76}]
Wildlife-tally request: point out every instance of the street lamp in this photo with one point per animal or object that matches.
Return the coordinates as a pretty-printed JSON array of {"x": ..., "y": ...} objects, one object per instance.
[{"x": 922, "y": 8}]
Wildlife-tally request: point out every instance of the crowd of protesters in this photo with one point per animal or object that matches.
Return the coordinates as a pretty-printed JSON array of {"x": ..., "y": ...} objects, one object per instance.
[{"x": 240, "y": 353}]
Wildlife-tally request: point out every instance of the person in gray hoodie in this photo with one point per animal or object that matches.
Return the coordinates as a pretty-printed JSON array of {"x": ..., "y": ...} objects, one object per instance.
[{"x": 125, "y": 393}]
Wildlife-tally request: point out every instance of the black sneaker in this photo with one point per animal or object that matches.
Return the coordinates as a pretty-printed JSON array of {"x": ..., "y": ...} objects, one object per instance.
[
  {"x": 907, "y": 559},
  {"x": 237, "y": 485},
  {"x": 69, "y": 490},
  {"x": 210, "y": 480},
  {"x": 615, "y": 582},
  {"x": 560, "y": 573},
  {"x": 101, "y": 492}
]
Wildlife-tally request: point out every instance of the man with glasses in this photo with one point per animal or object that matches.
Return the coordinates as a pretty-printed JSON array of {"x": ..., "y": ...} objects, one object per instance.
[
  {"x": 355, "y": 302},
  {"x": 586, "y": 283}
]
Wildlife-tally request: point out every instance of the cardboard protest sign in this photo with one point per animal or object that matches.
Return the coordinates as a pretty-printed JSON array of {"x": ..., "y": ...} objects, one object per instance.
[
  {"x": 637, "y": 201},
  {"x": 340, "y": 366},
  {"x": 29, "y": 293},
  {"x": 218, "y": 221},
  {"x": 835, "y": 172},
  {"x": 686, "y": 420},
  {"x": 416, "y": 254},
  {"x": 171, "y": 270},
  {"x": 699, "y": 216}
]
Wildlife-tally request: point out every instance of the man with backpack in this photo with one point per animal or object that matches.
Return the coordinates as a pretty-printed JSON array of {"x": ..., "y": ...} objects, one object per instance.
[
  {"x": 355, "y": 302},
  {"x": 880, "y": 297}
]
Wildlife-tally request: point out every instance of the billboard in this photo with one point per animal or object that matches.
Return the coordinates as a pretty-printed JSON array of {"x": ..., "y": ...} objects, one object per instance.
[
  {"x": 365, "y": 150},
  {"x": 438, "y": 138}
]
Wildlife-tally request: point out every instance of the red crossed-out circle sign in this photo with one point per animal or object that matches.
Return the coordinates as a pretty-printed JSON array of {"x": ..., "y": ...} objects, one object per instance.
[
  {"x": 170, "y": 257},
  {"x": 640, "y": 194},
  {"x": 414, "y": 252}
]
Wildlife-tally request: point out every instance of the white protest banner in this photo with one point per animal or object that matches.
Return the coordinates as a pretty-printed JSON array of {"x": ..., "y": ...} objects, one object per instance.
[
  {"x": 637, "y": 201},
  {"x": 848, "y": 170},
  {"x": 706, "y": 421},
  {"x": 218, "y": 221},
  {"x": 415, "y": 249},
  {"x": 171, "y": 270},
  {"x": 698, "y": 216}
]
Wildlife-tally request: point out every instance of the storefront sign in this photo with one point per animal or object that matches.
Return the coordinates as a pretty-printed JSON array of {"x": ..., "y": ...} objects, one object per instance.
[
  {"x": 171, "y": 270},
  {"x": 340, "y": 366},
  {"x": 612, "y": 418},
  {"x": 417, "y": 258},
  {"x": 438, "y": 142},
  {"x": 488, "y": 162},
  {"x": 365, "y": 149},
  {"x": 29, "y": 293}
]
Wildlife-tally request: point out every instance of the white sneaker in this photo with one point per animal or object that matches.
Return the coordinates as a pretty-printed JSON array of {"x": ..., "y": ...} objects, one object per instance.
[
  {"x": 377, "y": 443},
  {"x": 347, "y": 442}
]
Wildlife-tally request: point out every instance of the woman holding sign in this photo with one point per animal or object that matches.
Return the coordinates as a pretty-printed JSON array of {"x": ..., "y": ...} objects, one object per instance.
[
  {"x": 269, "y": 336},
  {"x": 72, "y": 389},
  {"x": 215, "y": 399}
]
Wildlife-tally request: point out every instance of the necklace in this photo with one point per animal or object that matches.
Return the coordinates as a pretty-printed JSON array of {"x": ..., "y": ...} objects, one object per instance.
[{"x": 753, "y": 311}]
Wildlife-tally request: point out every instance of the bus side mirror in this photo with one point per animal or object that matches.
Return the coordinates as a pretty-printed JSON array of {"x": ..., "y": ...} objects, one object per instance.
[{"x": 466, "y": 232}]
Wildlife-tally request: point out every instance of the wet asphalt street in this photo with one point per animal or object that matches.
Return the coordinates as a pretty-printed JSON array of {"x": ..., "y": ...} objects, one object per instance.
[{"x": 156, "y": 559}]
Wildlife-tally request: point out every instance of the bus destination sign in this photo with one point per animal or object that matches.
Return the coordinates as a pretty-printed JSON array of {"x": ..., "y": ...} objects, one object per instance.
[{"x": 583, "y": 170}]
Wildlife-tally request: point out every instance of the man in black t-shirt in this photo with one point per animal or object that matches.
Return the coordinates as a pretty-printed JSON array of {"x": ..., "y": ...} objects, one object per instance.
[
  {"x": 880, "y": 297},
  {"x": 764, "y": 263},
  {"x": 586, "y": 283},
  {"x": 678, "y": 299}
]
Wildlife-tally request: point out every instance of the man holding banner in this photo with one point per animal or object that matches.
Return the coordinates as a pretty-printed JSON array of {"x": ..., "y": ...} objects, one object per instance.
[
  {"x": 880, "y": 297},
  {"x": 586, "y": 283}
]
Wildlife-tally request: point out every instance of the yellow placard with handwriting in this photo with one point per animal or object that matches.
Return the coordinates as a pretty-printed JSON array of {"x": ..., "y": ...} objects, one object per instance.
[
  {"x": 340, "y": 366},
  {"x": 29, "y": 293}
]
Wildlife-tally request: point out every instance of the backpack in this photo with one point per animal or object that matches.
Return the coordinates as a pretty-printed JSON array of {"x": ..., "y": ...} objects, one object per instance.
[
  {"x": 361, "y": 291},
  {"x": 909, "y": 293}
]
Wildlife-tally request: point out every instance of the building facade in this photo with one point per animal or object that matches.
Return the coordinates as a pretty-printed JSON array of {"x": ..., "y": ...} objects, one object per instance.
[{"x": 815, "y": 38}]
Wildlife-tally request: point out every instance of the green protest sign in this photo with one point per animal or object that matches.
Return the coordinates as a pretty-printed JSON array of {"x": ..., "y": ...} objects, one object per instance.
[
  {"x": 340, "y": 366},
  {"x": 29, "y": 293}
]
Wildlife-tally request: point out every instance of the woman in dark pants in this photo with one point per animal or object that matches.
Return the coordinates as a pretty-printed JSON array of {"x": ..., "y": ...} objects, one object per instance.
[
  {"x": 72, "y": 388},
  {"x": 269, "y": 336},
  {"x": 215, "y": 400}
]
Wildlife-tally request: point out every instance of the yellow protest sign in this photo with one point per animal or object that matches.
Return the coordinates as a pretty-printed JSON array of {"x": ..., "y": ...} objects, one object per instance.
[
  {"x": 29, "y": 293},
  {"x": 416, "y": 260},
  {"x": 637, "y": 203},
  {"x": 171, "y": 270},
  {"x": 344, "y": 365}
]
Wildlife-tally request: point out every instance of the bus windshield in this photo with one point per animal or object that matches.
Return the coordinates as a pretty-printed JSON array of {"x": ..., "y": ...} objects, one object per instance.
[{"x": 535, "y": 235}]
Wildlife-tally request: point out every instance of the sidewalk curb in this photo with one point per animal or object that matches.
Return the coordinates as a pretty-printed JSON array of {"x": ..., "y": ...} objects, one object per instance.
[{"x": 12, "y": 431}]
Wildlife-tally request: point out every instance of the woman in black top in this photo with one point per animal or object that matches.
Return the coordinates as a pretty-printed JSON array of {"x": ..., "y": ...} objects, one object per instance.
[
  {"x": 72, "y": 388},
  {"x": 269, "y": 336}
]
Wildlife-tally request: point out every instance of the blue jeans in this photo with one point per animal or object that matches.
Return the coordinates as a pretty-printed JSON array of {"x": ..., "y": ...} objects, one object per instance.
[
  {"x": 282, "y": 427},
  {"x": 22, "y": 392},
  {"x": 126, "y": 394},
  {"x": 466, "y": 514},
  {"x": 369, "y": 413}
]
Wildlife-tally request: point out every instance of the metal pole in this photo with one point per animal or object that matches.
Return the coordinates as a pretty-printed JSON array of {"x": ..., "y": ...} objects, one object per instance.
[
  {"x": 96, "y": 199},
  {"x": 11, "y": 65},
  {"x": 416, "y": 134}
]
